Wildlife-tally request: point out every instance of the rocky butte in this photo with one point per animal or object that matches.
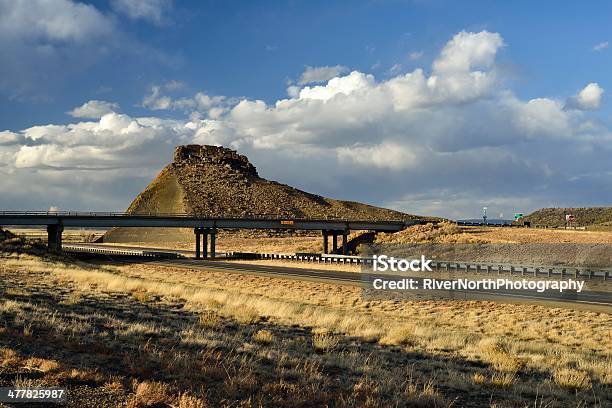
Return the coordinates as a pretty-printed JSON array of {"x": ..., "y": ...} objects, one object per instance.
[{"x": 212, "y": 181}]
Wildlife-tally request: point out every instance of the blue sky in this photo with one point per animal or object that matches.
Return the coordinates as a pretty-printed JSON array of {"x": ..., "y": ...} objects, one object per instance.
[{"x": 119, "y": 51}]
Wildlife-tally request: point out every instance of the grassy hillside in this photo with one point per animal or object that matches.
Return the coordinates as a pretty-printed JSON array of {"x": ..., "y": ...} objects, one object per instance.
[{"x": 585, "y": 216}]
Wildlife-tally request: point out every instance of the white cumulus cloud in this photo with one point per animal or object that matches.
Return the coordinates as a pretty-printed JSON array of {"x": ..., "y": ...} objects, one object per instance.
[
  {"x": 94, "y": 109},
  {"x": 149, "y": 10},
  {"x": 313, "y": 75},
  {"x": 52, "y": 20},
  {"x": 589, "y": 98}
]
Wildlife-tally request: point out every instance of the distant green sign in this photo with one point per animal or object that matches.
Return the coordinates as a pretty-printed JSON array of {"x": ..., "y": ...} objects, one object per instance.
[{"x": 518, "y": 216}]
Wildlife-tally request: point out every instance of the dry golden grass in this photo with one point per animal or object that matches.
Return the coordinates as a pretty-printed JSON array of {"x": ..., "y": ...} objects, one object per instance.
[
  {"x": 572, "y": 379},
  {"x": 263, "y": 336},
  {"x": 325, "y": 342},
  {"x": 538, "y": 235},
  {"x": 269, "y": 340},
  {"x": 447, "y": 232},
  {"x": 303, "y": 265}
]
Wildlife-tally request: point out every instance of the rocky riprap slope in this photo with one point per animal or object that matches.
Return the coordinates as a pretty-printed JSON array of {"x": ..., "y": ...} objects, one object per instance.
[
  {"x": 585, "y": 216},
  {"x": 213, "y": 181}
]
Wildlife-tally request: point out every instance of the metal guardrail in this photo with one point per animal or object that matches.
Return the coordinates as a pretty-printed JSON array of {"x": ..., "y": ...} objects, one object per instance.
[
  {"x": 466, "y": 267},
  {"x": 125, "y": 252}
]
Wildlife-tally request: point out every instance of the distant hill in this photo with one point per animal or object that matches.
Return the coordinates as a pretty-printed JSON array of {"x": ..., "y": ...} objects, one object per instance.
[
  {"x": 585, "y": 216},
  {"x": 215, "y": 181}
]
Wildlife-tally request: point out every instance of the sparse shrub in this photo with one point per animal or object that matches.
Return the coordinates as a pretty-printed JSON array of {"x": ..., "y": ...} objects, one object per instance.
[
  {"x": 479, "y": 379},
  {"x": 572, "y": 379},
  {"x": 85, "y": 376},
  {"x": 497, "y": 354},
  {"x": 263, "y": 336},
  {"x": 41, "y": 364},
  {"x": 189, "y": 401},
  {"x": 142, "y": 296},
  {"x": 27, "y": 330},
  {"x": 72, "y": 299},
  {"x": 325, "y": 342},
  {"x": 502, "y": 380},
  {"x": 399, "y": 335},
  {"x": 245, "y": 315},
  {"x": 21, "y": 382},
  {"x": 423, "y": 395},
  {"x": 8, "y": 357},
  {"x": 210, "y": 319},
  {"x": 149, "y": 394}
]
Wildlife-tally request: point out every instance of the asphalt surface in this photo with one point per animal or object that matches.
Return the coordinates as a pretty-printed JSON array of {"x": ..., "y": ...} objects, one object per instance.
[{"x": 600, "y": 301}]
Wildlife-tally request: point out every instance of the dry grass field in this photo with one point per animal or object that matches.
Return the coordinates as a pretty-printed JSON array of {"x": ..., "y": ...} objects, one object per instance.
[{"x": 145, "y": 335}]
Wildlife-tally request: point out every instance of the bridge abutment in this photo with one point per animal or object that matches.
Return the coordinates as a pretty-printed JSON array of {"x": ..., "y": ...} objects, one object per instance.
[{"x": 54, "y": 237}]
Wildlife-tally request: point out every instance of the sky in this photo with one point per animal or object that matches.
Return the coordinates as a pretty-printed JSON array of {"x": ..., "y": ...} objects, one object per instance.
[{"x": 428, "y": 107}]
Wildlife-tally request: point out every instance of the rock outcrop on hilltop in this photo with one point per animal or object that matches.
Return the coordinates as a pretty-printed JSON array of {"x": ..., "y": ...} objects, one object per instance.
[{"x": 213, "y": 181}]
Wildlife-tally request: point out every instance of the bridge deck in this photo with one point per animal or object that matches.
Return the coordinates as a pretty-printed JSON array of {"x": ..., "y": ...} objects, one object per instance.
[{"x": 107, "y": 220}]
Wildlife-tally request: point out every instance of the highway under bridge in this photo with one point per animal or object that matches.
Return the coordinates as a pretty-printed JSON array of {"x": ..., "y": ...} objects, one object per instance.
[{"x": 205, "y": 228}]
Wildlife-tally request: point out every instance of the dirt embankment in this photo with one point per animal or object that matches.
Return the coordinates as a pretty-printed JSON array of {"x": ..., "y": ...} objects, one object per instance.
[
  {"x": 528, "y": 246},
  {"x": 585, "y": 216}
]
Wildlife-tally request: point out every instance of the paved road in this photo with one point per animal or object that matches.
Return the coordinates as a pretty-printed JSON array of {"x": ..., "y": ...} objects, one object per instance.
[{"x": 588, "y": 299}]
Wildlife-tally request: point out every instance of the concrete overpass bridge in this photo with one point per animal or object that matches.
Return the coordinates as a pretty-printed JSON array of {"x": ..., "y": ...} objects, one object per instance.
[{"x": 205, "y": 228}]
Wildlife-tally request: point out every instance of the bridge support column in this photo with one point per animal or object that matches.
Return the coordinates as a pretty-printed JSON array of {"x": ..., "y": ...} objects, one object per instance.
[
  {"x": 213, "y": 239},
  {"x": 334, "y": 241},
  {"x": 198, "y": 233},
  {"x": 205, "y": 243},
  {"x": 54, "y": 237},
  {"x": 344, "y": 242},
  {"x": 325, "y": 241}
]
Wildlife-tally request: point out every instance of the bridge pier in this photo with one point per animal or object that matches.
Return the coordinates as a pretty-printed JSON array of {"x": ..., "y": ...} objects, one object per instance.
[
  {"x": 213, "y": 239},
  {"x": 201, "y": 238},
  {"x": 344, "y": 242},
  {"x": 325, "y": 241},
  {"x": 205, "y": 243},
  {"x": 334, "y": 241},
  {"x": 54, "y": 237},
  {"x": 198, "y": 233}
]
